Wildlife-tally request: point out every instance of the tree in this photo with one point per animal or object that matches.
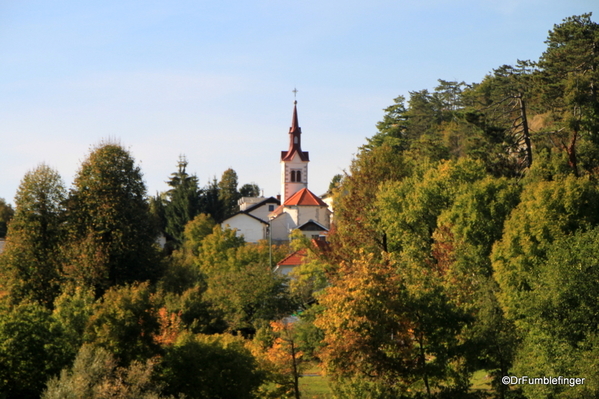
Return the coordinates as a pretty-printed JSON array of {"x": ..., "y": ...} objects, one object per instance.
[
  {"x": 212, "y": 203},
  {"x": 95, "y": 375},
  {"x": 6, "y": 214},
  {"x": 111, "y": 233},
  {"x": 125, "y": 322},
  {"x": 205, "y": 367},
  {"x": 547, "y": 211},
  {"x": 32, "y": 261},
  {"x": 31, "y": 350},
  {"x": 560, "y": 327},
  {"x": 285, "y": 358},
  {"x": 249, "y": 190},
  {"x": 503, "y": 99},
  {"x": 366, "y": 326},
  {"x": 569, "y": 84},
  {"x": 183, "y": 201},
  {"x": 356, "y": 223},
  {"x": 228, "y": 193},
  {"x": 72, "y": 311}
]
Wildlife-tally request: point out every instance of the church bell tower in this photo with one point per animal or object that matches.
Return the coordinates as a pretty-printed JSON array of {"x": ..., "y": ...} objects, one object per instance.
[{"x": 294, "y": 162}]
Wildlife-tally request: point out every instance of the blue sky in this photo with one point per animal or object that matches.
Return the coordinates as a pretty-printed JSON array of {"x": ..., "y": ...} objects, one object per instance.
[{"x": 213, "y": 79}]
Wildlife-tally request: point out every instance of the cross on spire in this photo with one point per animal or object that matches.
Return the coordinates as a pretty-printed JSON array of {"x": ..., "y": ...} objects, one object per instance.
[{"x": 295, "y": 95}]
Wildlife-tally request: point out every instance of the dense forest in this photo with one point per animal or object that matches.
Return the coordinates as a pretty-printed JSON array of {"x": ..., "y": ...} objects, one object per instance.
[{"x": 465, "y": 239}]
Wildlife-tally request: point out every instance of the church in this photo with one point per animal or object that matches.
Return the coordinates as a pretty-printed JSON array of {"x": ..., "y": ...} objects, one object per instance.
[{"x": 295, "y": 208}]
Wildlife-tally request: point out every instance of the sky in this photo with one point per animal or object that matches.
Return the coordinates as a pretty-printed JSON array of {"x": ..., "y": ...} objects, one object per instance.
[{"x": 213, "y": 80}]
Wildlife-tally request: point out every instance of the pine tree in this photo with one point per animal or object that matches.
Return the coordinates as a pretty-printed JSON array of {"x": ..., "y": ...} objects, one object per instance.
[
  {"x": 183, "y": 201},
  {"x": 569, "y": 85}
]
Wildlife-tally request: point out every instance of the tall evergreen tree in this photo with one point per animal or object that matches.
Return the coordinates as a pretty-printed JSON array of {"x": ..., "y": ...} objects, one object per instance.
[
  {"x": 31, "y": 263},
  {"x": 112, "y": 239},
  {"x": 569, "y": 84},
  {"x": 212, "y": 203},
  {"x": 183, "y": 201}
]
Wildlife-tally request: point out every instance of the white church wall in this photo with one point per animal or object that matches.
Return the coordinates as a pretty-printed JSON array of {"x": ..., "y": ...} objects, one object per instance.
[
  {"x": 281, "y": 226},
  {"x": 319, "y": 214}
]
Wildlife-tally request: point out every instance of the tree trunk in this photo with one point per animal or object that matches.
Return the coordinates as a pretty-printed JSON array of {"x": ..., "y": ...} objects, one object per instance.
[
  {"x": 571, "y": 150},
  {"x": 295, "y": 373},
  {"x": 525, "y": 131}
]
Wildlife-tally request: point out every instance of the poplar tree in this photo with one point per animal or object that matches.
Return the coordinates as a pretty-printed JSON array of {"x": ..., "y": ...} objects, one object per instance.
[
  {"x": 228, "y": 193},
  {"x": 31, "y": 262}
]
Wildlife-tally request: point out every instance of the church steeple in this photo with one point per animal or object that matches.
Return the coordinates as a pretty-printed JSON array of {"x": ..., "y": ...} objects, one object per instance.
[
  {"x": 295, "y": 140},
  {"x": 294, "y": 161}
]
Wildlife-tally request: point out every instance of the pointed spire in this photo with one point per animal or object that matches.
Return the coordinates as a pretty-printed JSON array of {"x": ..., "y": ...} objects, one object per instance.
[
  {"x": 295, "y": 139},
  {"x": 294, "y": 123}
]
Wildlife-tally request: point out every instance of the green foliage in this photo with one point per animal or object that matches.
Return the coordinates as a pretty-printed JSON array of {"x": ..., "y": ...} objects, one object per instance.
[
  {"x": 206, "y": 367},
  {"x": 197, "y": 313},
  {"x": 409, "y": 209},
  {"x": 568, "y": 83},
  {"x": 212, "y": 202},
  {"x": 228, "y": 194},
  {"x": 356, "y": 221},
  {"x": 308, "y": 278},
  {"x": 72, "y": 311},
  {"x": 125, "y": 322},
  {"x": 249, "y": 190},
  {"x": 32, "y": 260},
  {"x": 112, "y": 236},
  {"x": 30, "y": 350},
  {"x": 561, "y": 318},
  {"x": 249, "y": 296},
  {"x": 547, "y": 211},
  {"x": 6, "y": 214},
  {"x": 96, "y": 375},
  {"x": 183, "y": 201}
]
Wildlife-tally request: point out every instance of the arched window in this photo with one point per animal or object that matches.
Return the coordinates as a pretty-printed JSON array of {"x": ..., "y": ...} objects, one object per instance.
[
  {"x": 298, "y": 176},
  {"x": 293, "y": 176}
]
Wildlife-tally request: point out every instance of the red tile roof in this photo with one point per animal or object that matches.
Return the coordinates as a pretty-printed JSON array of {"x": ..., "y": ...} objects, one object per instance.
[
  {"x": 294, "y": 259},
  {"x": 304, "y": 197}
]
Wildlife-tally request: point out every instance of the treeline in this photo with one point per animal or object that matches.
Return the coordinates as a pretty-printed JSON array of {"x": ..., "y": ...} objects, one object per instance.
[
  {"x": 91, "y": 305},
  {"x": 466, "y": 236}
]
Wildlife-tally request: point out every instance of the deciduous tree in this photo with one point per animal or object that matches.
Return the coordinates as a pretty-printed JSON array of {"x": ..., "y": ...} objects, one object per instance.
[
  {"x": 32, "y": 260},
  {"x": 112, "y": 237}
]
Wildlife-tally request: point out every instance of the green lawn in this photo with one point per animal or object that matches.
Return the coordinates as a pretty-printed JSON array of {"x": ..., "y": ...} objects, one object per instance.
[
  {"x": 314, "y": 385},
  {"x": 481, "y": 381}
]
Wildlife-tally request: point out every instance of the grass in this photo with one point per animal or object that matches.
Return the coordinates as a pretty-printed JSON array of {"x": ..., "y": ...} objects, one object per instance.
[
  {"x": 314, "y": 385},
  {"x": 481, "y": 381}
]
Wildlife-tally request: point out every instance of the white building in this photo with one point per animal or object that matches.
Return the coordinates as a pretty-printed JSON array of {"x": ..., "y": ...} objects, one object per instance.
[{"x": 252, "y": 219}]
